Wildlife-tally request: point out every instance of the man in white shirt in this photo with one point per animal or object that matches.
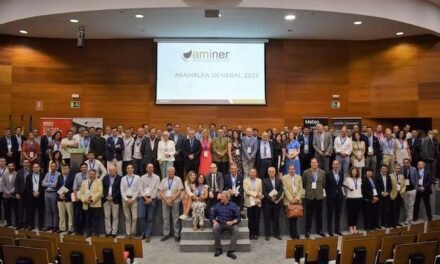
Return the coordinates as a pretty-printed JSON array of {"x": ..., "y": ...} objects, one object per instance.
[
  {"x": 149, "y": 186},
  {"x": 94, "y": 164},
  {"x": 130, "y": 193},
  {"x": 84, "y": 141},
  {"x": 343, "y": 149},
  {"x": 112, "y": 199},
  {"x": 127, "y": 154},
  {"x": 66, "y": 143},
  {"x": 165, "y": 153}
]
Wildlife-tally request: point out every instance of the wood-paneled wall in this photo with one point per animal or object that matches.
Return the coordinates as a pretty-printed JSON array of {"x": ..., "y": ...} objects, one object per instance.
[{"x": 397, "y": 78}]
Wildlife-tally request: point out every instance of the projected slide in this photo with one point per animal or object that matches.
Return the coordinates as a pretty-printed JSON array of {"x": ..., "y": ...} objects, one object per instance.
[{"x": 210, "y": 73}]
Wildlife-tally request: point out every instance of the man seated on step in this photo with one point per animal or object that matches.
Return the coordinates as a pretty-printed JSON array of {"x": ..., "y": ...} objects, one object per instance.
[{"x": 225, "y": 217}]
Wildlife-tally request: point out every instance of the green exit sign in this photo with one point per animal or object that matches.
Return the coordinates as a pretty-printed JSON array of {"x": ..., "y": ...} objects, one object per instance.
[
  {"x": 335, "y": 104},
  {"x": 75, "y": 104}
]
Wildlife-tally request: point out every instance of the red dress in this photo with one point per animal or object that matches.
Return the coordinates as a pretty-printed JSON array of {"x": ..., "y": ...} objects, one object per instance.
[{"x": 205, "y": 157}]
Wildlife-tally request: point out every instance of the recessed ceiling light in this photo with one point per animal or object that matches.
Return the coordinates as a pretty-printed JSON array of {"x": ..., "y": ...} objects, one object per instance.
[
  {"x": 400, "y": 33},
  {"x": 23, "y": 31},
  {"x": 73, "y": 20},
  {"x": 139, "y": 16},
  {"x": 289, "y": 17},
  {"x": 357, "y": 22}
]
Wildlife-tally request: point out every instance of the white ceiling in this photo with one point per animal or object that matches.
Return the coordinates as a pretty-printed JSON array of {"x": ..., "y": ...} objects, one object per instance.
[{"x": 190, "y": 22}]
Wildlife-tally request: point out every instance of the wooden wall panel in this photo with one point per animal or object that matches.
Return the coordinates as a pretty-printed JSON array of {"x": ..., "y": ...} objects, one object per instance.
[{"x": 116, "y": 80}]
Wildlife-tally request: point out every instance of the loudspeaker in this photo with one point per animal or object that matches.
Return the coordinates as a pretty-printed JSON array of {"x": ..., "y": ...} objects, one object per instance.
[{"x": 360, "y": 255}]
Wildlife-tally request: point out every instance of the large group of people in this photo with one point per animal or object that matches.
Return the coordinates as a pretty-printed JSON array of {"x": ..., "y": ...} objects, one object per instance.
[{"x": 220, "y": 174}]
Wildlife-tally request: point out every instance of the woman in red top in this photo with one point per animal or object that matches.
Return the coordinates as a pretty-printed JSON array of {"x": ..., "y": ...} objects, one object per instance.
[
  {"x": 205, "y": 154},
  {"x": 31, "y": 149}
]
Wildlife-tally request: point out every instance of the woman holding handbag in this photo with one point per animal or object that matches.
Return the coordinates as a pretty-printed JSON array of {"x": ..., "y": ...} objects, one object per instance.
[{"x": 293, "y": 188}]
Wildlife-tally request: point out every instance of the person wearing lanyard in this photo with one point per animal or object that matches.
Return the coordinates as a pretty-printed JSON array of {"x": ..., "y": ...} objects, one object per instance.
[
  {"x": 234, "y": 184},
  {"x": 127, "y": 154},
  {"x": 9, "y": 201},
  {"x": 170, "y": 189},
  {"x": 423, "y": 191},
  {"x": 396, "y": 195},
  {"x": 273, "y": 193},
  {"x": 191, "y": 152},
  {"x": 293, "y": 186},
  {"x": 50, "y": 198},
  {"x": 20, "y": 180},
  {"x": 34, "y": 197},
  {"x": 411, "y": 184},
  {"x": 265, "y": 155},
  {"x": 314, "y": 184},
  {"x": 307, "y": 151},
  {"x": 215, "y": 182},
  {"x": 111, "y": 200},
  {"x": 334, "y": 197},
  {"x": 3, "y": 168},
  {"x": 220, "y": 151},
  {"x": 129, "y": 193},
  {"x": 9, "y": 146},
  {"x": 94, "y": 164},
  {"x": 199, "y": 205},
  {"x": 165, "y": 153},
  {"x": 206, "y": 156},
  {"x": 371, "y": 201},
  {"x": 114, "y": 150},
  {"x": 91, "y": 195},
  {"x": 64, "y": 190},
  {"x": 353, "y": 191},
  {"x": 149, "y": 185},
  {"x": 389, "y": 149},
  {"x": 323, "y": 145},
  {"x": 78, "y": 212},
  {"x": 343, "y": 149},
  {"x": 253, "y": 196},
  {"x": 384, "y": 188},
  {"x": 85, "y": 141},
  {"x": 139, "y": 145},
  {"x": 373, "y": 150},
  {"x": 31, "y": 149}
]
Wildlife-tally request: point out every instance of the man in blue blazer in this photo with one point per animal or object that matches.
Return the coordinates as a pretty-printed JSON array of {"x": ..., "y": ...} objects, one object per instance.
[
  {"x": 191, "y": 152},
  {"x": 423, "y": 191},
  {"x": 111, "y": 200},
  {"x": 113, "y": 150},
  {"x": 333, "y": 190},
  {"x": 233, "y": 183}
]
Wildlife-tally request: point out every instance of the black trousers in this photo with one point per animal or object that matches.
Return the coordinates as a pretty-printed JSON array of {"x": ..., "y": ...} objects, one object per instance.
[
  {"x": 222, "y": 166},
  {"x": 35, "y": 205},
  {"x": 313, "y": 208},
  {"x": 10, "y": 205},
  {"x": 263, "y": 166},
  {"x": 253, "y": 214},
  {"x": 334, "y": 206},
  {"x": 2, "y": 215},
  {"x": 271, "y": 215},
  {"x": 178, "y": 165},
  {"x": 305, "y": 162},
  {"x": 427, "y": 203},
  {"x": 293, "y": 229},
  {"x": 21, "y": 211},
  {"x": 353, "y": 209},
  {"x": 79, "y": 218},
  {"x": 238, "y": 201},
  {"x": 93, "y": 220},
  {"x": 396, "y": 204},
  {"x": 192, "y": 165},
  {"x": 385, "y": 209},
  {"x": 371, "y": 214}
]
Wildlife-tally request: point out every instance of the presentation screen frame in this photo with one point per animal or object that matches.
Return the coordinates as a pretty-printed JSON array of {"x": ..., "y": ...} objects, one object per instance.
[{"x": 211, "y": 40}]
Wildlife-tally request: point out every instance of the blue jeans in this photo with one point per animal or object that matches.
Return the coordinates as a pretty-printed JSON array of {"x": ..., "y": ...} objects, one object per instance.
[
  {"x": 164, "y": 165},
  {"x": 146, "y": 215}
]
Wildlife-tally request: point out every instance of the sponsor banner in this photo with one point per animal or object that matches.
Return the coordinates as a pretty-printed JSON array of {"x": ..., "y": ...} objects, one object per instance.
[
  {"x": 56, "y": 124},
  {"x": 88, "y": 122},
  {"x": 311, "y": 122},
  {"x": 338, "y": 122}
]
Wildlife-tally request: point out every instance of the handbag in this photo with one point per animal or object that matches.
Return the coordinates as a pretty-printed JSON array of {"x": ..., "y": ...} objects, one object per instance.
[{"x": 294, "y": 211}]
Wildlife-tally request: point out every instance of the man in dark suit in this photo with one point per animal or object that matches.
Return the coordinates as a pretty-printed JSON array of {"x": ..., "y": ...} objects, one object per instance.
[
  {"x": 178, "y": 139},
  {"x": 334, "y": 195},
  {"x": 314, "y": 185},
  {"x": 33, "y": 194},
  {"x": 111, "y": 200},
  {"x": 384, "y": 189},
  {"x": 307, "y": 150},
  {"x": 415, "y": 146},
  {"x": 114, "y": 148},
  {"x": 215, "y": 181},
  {"x": 423, "y": 191},
  {"x": 97, "y": 144},
  {"x": 44, "y": 146},
  {"x": 234, "y": 184},
  {"x": 150, "y": 156},
  {"x": 372, "y": 150},
  {"x": 20, "y": 194},
  {"x": 371, "y": 200},
  {"x": 139, "y": 146},
  {"x": 9, "y": 146},
  {"x": 20, "y": 140},
  {"x": 64, "y": 199},
  {"x": 273, "y": 193},
  {"x": 265, "y": 155},
  {"x": 430, "y": 152},
  {"x": 191, "y": 152}
]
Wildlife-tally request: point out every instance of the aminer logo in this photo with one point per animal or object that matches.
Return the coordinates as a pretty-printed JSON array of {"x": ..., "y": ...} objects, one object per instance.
[{"x": 205, "y": 56}]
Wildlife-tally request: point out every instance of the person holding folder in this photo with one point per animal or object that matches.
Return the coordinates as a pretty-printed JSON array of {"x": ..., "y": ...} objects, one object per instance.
[
  {"x": 252, "y": 201},
  {"x": 64, "y": 190},
  {"x": 273, "y": 193}
]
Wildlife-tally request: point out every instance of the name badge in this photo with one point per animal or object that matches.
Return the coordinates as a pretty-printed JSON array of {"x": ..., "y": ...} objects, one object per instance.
[
  {"x": 147, "y": 191},
  {"x": 306, "y": 148},
  {"x": 249, "y": 150},
  {"x": 398, "y": 187},
  {"x": 88, "y": 193},
  {"x": 370, "y": 149},
  {"x": 237, "y": 152},
  {"x": 205, "y": 153},
  {"x": 9, "y": 146},
  {"x": 374, "y": 192},
  {"x": 168, "y": 193},
  {"x": 31, "y": 154},
  {"x": 129, "y": 192},
  {"x": 420, "y": 182},
  {"x": 313, "y": 185},
  {"x": 407, "y": 182}
]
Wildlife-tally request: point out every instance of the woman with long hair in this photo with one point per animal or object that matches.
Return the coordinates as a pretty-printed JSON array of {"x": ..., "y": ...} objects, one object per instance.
[
  {"x": 57, "y": 158},
  {"x": 353, "y": 192},
  {"x": 199, "y": 203},
  {"x": 402, "y": 148},
  {"x": 190, "y": 185},
  {"x": 292, "y": 151},
  {"x": 234, "y": 151},
  {"x": 205, "y": 154}
]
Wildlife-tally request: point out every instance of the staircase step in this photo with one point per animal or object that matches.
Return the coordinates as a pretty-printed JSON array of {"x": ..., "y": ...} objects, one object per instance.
[
  {"x": 188, "y": 223},
  {"x": 189, "y": 234},
  {"x": 243, "y": 245}
]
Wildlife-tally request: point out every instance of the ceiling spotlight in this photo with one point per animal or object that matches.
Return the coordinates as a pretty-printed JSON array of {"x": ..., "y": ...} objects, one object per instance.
[
  {"x": 23, "y": 31},
  {"x": 74, "y": 20},
  {"x": 290, "y": 17},
  {"x": 357, "y": 22},
  {"x": 139, "y": 16},
  {"x": 400, "y": 33}
]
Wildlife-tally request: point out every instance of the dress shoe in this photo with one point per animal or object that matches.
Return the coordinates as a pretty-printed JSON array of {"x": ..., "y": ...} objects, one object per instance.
[
  {"x": 69, "y": 232},
  {"x": 60, "y": 231},
  {"x": 177, "y": 239},
  {"x": 251, "y": 237},
  {"x": 47, "y": 229},
  {"x": 278, "y": 237},
  {"x": 307, "y": 235},
  {"x": 231, "y": 255},
  {"x": 243, "y": 216},
  {"x": 218, "y": 252},
  {"x": 331, "y": 234},
  {"x": 165, "y": 237},
  {"x": 322, "y": 234},
  {"x": 143, "y": 237},
  {"x": 338, "y": 233},
  {"x": 107, "y": 235},
  {"x": 267, "y": 238},
  {"x": 147, "y": 239},
  {"x": 255, "y": 237},
  {"x": 113, "y": 236}
]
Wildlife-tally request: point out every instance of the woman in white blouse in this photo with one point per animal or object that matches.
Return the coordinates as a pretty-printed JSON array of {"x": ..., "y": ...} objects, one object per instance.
[
  {"x": 353, "y": 192},
  {"x": 165, "y": 154}
]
